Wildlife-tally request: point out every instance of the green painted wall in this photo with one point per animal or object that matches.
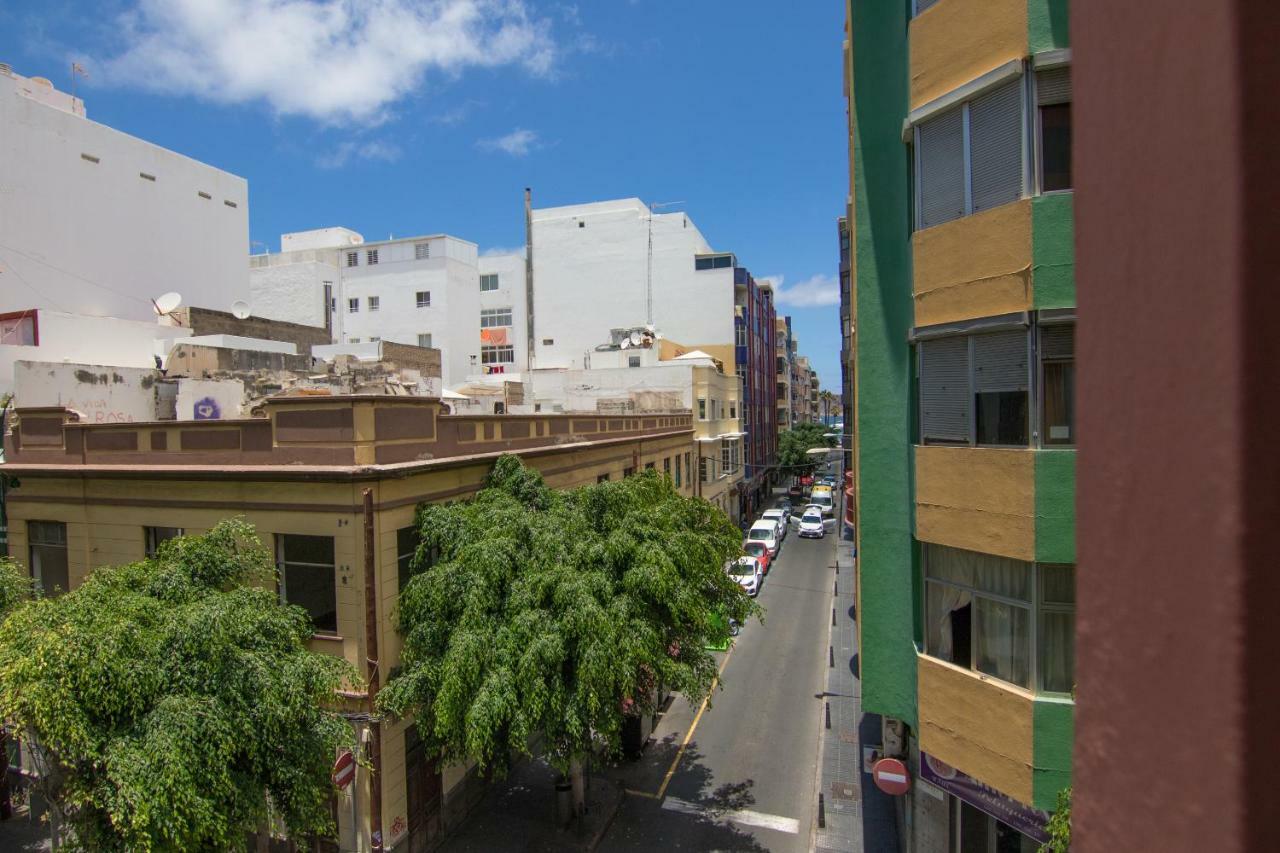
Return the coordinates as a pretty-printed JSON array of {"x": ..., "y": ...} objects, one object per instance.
[
  {"x": 1047, "y": 25},
  {"x": 1056, "y": 506},
  {"x": 1053, "y": 253},
  {"x": 883, "y": 291},
  {"x": 1054, "y": 733}
]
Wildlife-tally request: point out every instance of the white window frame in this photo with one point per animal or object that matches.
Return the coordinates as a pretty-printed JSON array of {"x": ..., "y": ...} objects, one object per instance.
[
  {"x": 491, "y": 318},
  {"x": 375, "y": 303},
  {"x": 353, "y": 305},
  {"x": 497, "y": 354},
  {"x": 427, "y": 337},
  {"x": 423, "y": 298},
  {"x": 353, "y": 259},
  {"x": 371, "y": 257},
  {"x": 492, "y": 280}
]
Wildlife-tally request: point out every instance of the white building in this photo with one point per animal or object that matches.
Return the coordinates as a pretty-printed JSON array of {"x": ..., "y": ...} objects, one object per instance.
[
  {"x": 96, "y": 222},
  {"x": 432, "y": 291},
  {"x": 593, "y": 271}
]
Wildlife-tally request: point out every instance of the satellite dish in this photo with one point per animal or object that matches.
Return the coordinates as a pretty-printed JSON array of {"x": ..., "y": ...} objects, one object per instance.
[
  {"x": 167, "y": 303},
  {"x": 240, "y": 309},
  {"x": 635, "y": 339},
  {"x": 625, "y": 343}
]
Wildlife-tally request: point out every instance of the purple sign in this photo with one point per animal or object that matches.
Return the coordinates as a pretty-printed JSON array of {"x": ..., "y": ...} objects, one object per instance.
[{"x": 1028, "y": 821}]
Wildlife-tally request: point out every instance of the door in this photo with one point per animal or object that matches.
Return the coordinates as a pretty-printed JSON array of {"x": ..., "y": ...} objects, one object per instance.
[{"x": 423, "y": 789}]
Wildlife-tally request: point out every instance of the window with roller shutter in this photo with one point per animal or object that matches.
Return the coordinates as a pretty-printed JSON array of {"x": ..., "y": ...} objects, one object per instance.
[
  {"x": 1053, "y": 130},
  {"x": 974, "y": 389},
  {"x": 944, "y": 390},
  {"x": 1000, "y": 383},
  {"x": 1058, "y": 385}
]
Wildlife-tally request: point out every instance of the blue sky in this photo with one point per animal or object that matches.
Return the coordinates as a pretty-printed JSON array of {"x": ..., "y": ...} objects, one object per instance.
[{"x": 418, "y": 116}]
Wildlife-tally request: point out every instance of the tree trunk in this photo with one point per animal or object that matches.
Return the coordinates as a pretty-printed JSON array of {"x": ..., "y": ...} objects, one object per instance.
[{"x": 578, "y": 779}]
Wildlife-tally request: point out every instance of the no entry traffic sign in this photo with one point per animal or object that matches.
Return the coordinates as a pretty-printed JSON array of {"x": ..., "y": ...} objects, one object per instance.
[
  {"x": 891, "y": 776},
  {"x": 344, "y": 769}
]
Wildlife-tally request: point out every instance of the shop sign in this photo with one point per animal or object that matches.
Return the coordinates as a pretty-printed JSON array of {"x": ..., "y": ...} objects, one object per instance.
[{"x": 1030, "y": 822}]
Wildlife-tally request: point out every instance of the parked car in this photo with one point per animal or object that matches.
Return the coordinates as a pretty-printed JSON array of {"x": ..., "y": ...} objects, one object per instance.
[
  {"x": 747, "y": 572},
  {"x": 780, "y": 517},
  {"x": 760, "y": 551},
  {"x": 766, "y": 531},
  {"x": 786, "y": 506},
  {"x": 811, "y": 524}
]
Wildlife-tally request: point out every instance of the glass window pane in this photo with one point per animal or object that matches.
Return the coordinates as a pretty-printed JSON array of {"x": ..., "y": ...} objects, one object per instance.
[
  {"x": 406, "y": 546},
  {"x": 1059, "y": 402},
  {"x": 49, "y": 567},
  {"x": 312, "y": 588},
  {"x": 1057, "y": 650},
  {"x": 1055, "y": 147},
  {"x": 975, "y": 830},
  {"x": 1001, "y": 418},
  {"x": 157, "y": 535},
  {"x": 947, "y": 623},
  {"x": 1002, "y": 576},
  {"x": 1057, "y": 584},
  {"x": 951, "y": 564},
  {"x": 47, "y": 532},
  {"x": 308, "y": 549},
  {"x": 1002, "y": 641}
]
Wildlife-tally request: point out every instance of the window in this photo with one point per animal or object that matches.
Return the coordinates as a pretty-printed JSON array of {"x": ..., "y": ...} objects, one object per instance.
[
  {"x": 688, "y": 468},
  {"x": 353, "y": 259},
  {"x": 373, "y": 339},
  {"x": 497, "y": 355},
  {"x": 371, "y": 257},
  {"x": 423, "y": 298},
  {"x": 969, "y": 158},
  {"x": 633, "y": 361},
  {"x": 704, "y": 467},
  {"x": 488, "y": 281},
  {"x": 980, "y": 610},
  {"x": 421, "y": 251},
  {"x": 307, "y": 578},
  {"x": 19, "y": 329},
  {"x": 648, "y": 466},
  {"x": 921, "y": 5},
  {"x": 89, "y": 158},
  {"x": 582, "y": 225},
  {"x": 424, "y": 340},
  {"x": 602, "y": 478},
  {"x": 47, "y": 556},
  {"x": 1053, "y": 99},
  {"x": 973, "y": 389},
  {"x": 713, "y": 262},
  {"x": 153, "y": 536},
  {"x": 354, "y": 341},
  {"x": 702, "y": 409},
  {"x": 229, "y": 203},
  {"x": 547, "y": 342},
  {"x": 666, "y": 465},
  {"x": 628, "y": 471},
  {"x": 740, "y": 334},
  {"x": 1058, "y": 385},
  {"x": 375, "y": 302},
  {"x": 147, "y": 177},
  {"x": 733, "y": 410},
  {"x": 491, "y": 317},
  {"x": 407, "y": 541},
  {"x": 679, "y": 481},
  {"x": 204, "y": 195},
  {"x": 724, "y": 458},
  {"x": 353, "y": 306}
]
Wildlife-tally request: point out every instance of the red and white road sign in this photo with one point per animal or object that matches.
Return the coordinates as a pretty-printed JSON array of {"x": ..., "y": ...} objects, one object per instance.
[
  {"x": 344, "y": 769},
  {"x": 891, "y": 776}
]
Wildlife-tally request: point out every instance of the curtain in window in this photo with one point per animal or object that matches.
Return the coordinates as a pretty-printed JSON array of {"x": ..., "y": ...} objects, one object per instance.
[
  {"x": 1057, "y": 650},
  {"x": 1002, "y": 641},
  {"x": 943, "y": 601}
]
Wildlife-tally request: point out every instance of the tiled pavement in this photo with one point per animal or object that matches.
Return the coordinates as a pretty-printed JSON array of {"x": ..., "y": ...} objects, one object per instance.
[{"x": 858, "y": 817}]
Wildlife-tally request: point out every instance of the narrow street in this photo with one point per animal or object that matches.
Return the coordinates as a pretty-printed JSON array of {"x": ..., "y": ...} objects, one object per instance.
[{"x": 746, "y": 777}]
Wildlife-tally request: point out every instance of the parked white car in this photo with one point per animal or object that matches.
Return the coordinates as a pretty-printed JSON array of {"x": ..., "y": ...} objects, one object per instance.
[
  {"x": 811, "y": 523},
  {"x": 780, "y": 517},
  {"x": 746, "y": 571},
  {"x": 766, "y": 532}
]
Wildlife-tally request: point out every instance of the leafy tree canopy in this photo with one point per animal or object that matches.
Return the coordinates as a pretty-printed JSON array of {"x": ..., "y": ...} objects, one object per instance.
[
  {"x": 553, "y": 613},
  {"x": 174, "y": 699},
  {"x": 794, "y": 446}
]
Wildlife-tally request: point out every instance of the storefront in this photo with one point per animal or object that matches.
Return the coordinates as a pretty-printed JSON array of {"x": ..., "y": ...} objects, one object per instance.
[{"x": 980, "y": 819}]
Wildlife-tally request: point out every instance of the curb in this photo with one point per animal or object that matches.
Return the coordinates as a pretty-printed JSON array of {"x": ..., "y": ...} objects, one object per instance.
[{"x": 600, "y": 833}]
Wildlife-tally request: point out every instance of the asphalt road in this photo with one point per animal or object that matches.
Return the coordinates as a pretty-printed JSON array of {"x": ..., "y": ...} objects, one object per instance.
[{"x": 746, "y": 777}]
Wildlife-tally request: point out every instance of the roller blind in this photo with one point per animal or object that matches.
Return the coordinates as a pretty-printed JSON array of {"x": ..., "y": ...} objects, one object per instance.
[
  {"x": 1053, "y": 86},
  {"x": 1058, "y": 341},
  {"x": 944, "y": 389},
  {"x": 941, "y": 175},
  {"x": 995, "y": 146},
  {"x": 921, "y": 5},
  {"x": 1000, "y": 362}
]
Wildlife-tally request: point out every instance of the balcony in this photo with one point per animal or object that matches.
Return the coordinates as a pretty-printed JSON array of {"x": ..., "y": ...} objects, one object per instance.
[{"x": 957, "y": 40}]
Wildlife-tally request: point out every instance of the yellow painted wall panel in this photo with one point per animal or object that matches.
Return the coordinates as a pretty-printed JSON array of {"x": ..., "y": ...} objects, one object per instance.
[
  {"x": 954, "y": 42},
  {"x": 977, "y": 725},
  {"x": 977, "y": 498},
  {"x": 974, "y": 266}
]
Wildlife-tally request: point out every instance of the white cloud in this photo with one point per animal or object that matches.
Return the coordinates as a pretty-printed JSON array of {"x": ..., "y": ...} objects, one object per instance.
[
  {"x": 500, "y": 251},
  {"x": 337, "y": 61},
  {"x": 517, "y": 143},
  {"x": 814, "y": 292},
  {"x": 372, "y": 150}
]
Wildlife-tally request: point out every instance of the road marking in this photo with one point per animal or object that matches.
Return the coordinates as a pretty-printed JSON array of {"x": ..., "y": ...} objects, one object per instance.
[
  {"x": 744, "y": 817},
  {"x": 633, "y": 792},
  {"x": 675, "y": 762}
]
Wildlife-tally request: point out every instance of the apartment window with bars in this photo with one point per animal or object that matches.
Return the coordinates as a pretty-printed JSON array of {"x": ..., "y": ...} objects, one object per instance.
[
  {"x": 969, "y": 158},
  {"x": 353, "y": 259},
  {"x": 421, "y": 251},
  {"x": 371, "y": 257},
  {"x": 491, "y": 317},
  {"x": 308, "y": 578},
  {"x": 423, "y": 298},
  {"x": 497, "y": 355},
  {"x": 375, "y": 302},
  {"x": 1053, "y": 130},
  {"x": 424, "y": 340},
  {"x": 488, "y": 281},
  {"x": 353, "y": 305}
]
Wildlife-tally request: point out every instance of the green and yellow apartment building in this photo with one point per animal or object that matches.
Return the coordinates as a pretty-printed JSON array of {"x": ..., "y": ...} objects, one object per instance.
[{"x": 963, "y": 292}]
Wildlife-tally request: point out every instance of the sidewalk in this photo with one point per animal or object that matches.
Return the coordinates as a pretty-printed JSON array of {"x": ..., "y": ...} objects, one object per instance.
[
  {"x": 859, "y": 817},
  {"x": 517, "y": 815}
]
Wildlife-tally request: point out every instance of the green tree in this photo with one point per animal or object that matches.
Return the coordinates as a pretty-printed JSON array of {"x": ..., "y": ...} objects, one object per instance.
[
  {"x": 794, "y": 446},
  {"x": 173, "y": 703},
  {"x": 553, "y": 614},
  {"x": 1059, "y": 825}
]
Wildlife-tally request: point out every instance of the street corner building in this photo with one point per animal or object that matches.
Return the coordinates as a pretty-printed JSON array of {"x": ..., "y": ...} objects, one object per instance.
[
  {"x": 962, "y": 289},
  {"x": 332, "y": 484}
]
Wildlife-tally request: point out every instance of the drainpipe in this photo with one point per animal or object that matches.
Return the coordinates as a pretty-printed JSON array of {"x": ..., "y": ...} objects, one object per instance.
[{"x": 371, "y": 653}]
